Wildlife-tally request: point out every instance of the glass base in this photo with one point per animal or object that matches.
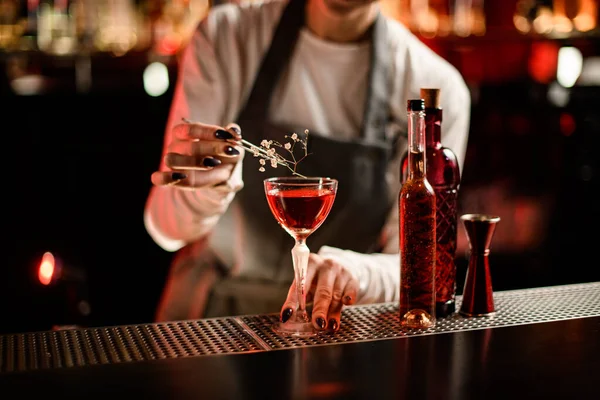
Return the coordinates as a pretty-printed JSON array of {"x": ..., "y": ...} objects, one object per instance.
[{"x": 297, "y": 329}]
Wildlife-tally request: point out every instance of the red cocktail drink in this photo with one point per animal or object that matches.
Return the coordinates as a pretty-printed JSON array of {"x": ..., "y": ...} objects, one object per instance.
[
  {"x": 300, "y": 211},
  {"x": 300, "y": 206}
]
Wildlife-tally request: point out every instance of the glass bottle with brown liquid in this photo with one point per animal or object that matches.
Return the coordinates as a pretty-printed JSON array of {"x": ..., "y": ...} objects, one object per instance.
[
  {"x": 444, "y": 176},
  {"x": 417, "y": 229}
]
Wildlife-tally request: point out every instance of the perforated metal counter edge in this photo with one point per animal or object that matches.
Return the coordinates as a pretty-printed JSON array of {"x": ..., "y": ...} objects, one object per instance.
[{"x": 252, "y": 333}]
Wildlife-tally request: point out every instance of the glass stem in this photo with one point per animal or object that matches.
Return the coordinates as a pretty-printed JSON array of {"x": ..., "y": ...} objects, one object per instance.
[{"x": 300, "y": 254}]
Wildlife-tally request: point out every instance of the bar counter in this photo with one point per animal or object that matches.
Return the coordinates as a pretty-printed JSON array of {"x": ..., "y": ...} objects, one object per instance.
[{"x": 541, "y": 343}]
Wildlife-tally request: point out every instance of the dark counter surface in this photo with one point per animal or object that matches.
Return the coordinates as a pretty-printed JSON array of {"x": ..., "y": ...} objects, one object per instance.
[{"x": 552, "y": 359}]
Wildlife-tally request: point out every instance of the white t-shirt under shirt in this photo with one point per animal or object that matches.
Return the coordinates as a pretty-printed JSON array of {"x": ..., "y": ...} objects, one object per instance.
[{"x": 324, "y": 90}]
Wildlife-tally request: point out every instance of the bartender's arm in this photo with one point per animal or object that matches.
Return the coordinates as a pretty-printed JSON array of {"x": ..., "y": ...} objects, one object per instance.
[
  {"x": 217, "y": 68},
  {"x": 200, "y": 170}
]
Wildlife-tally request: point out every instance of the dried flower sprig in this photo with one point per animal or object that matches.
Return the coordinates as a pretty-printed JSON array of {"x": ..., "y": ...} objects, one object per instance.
[{"x": 267, "y": 152}]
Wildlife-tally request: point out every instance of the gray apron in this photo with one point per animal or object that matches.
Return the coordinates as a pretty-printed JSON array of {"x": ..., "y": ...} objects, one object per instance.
[{"x": 249, "y": 250}]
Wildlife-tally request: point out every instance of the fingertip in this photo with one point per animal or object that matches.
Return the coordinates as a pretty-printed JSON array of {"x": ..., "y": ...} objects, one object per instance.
[
  {"x": 155, "y": 178},
  {"x": 348, "y": 300},
  {"x": 169, "y": 178},
  {"x": 161, "y": 178},
  {"x": 350, "y": 293},
  {"x": 235, "y": 129},
  {"x": 320, "y": 323},
  {"x": 334, "y": 324},
  {"x": 178, "y": 176},
  {"x": 211, "y": 162},
  {"x": 286, "y": 313}
]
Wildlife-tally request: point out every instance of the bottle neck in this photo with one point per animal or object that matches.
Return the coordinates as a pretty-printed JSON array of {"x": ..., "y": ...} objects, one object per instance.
[
  {"x": 433, "y": 123},
  {"x": 416, "y": 145}
]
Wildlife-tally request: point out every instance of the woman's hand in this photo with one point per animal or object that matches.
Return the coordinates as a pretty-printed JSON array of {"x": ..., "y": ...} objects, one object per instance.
[
  {"x": 331, "y": 287},
  {"x": 200, "y": 155}
]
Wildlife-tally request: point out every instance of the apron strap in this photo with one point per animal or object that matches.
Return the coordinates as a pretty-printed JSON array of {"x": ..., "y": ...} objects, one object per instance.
[
  {"x": 376, "y": 114},
  {"x": 278, "y": 55},
  {"x": 377, "y": 109}
]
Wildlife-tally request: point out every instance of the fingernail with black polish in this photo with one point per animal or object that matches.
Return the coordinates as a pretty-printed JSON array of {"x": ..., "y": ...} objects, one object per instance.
[
  {"x": 231, "y": 151},
  {"x": 211, "y": 162},
  {"x": 222, "y": 134},
  {"x": 177, "y": 176},
  {"x": 321, "y": 322},
  {"x": 287, "y": 313},
  {"x": 333, "y": 324},
  {"x": 236, "y": 129},
  {"x": 347, "y": 299}
]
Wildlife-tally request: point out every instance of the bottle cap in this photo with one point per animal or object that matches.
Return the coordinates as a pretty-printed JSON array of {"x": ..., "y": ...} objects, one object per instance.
[
  {"x": 415, "y": 105},
  {"x": 431, "y": 97}
]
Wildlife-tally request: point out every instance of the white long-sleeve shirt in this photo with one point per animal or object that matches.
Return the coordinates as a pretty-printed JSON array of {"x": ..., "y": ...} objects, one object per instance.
[{"x": 323, "y": 89}]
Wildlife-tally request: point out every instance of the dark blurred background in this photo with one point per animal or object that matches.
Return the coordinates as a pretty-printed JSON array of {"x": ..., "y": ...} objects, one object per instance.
[{"x": 85, "y": 92}]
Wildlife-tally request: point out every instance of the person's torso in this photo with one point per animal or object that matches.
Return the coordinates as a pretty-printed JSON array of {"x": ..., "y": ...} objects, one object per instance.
[
  {"x": 324, "y": 88},
  {"x": 306, "y": 82}
]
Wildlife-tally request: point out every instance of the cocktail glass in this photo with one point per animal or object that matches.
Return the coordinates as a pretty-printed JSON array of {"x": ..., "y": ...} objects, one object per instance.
[{"x": 300, "y": 206}]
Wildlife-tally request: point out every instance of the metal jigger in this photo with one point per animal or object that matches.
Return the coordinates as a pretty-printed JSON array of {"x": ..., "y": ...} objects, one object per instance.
[{"x": 478, "y": 296}]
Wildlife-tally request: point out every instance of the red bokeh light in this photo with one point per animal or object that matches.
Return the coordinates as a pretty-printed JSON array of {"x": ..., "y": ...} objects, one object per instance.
[
  {"x": 567, "y": 124},
  {"x": 46, "y": 269},
  {"x": 543, "y": 61}
]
